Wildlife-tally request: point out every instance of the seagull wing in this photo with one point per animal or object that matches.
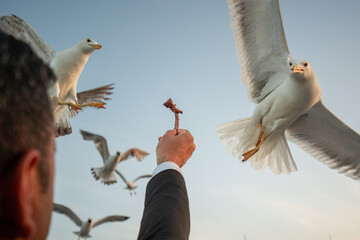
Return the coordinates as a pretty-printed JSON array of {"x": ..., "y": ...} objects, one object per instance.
[
  {"x": 21, "y": 30},
  {"x": 328, "y": 139},
  {"x": 142, "y": 176},
  {"x": 100, "y": 143},
  {"x": 68, "y": 212},
  {"x": 261, "y": 45},
  {"x": 64, "y": 113},
  {"x": 113, "y": 218},
  {"x": 122, "y": 177},
  {"x": 134, "y": 152},
  {"x": 96, "y": 95}
]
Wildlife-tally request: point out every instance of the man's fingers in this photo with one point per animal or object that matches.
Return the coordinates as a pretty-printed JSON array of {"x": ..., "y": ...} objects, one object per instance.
[
  {"x": 171, "y": 132},
  {"x": 182, "y": 133},
  {"x": 168, "y": 134},
  {"x": 185, "y": 133}
]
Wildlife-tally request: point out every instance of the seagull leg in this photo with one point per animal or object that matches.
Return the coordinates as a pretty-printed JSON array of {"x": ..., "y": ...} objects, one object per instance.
[
  {"x": 93, "y": 104},
  {"x": 260, "y": 140},
  {"x": 75, "y": 107}
]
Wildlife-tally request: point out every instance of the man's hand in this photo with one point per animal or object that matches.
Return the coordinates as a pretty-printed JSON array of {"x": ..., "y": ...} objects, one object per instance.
[{"x": 175, "y": 148}]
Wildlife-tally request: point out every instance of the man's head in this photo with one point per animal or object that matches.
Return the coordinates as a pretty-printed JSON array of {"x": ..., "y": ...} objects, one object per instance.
[{"x": 26, "y": 142}]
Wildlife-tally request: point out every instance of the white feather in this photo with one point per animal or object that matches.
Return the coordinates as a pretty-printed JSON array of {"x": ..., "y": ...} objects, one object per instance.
[
  {"x": 274, "y": 153},
  {"x": 260, "y": 43}
]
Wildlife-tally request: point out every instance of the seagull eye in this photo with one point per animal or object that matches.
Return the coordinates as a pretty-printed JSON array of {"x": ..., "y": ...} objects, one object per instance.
[
  {"x": 305, "y": 64},
  {"x": 88, "y": 40},
  {"x": 290, "y": 64}
]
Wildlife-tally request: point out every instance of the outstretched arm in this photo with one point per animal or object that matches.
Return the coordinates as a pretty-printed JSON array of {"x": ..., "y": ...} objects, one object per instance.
[{"x": 166, "y": 214}]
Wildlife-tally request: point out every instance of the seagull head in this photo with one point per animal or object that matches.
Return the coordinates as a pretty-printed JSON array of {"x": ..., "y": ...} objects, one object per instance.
[
  {"x": 118, "y": 153},
  {"x": 90, "y": 220},
  {"x": 88, "y": 45},
  {"x": 130, "y": 185},
  {"x": 301, "y": 69}
]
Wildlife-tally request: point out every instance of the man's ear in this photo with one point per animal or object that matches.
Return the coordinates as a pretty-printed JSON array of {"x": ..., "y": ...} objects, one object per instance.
[{"x": 24, "y": 194}]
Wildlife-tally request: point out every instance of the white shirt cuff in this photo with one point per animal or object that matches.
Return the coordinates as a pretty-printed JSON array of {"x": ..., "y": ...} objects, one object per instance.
[{"x": 165, "y": 166}]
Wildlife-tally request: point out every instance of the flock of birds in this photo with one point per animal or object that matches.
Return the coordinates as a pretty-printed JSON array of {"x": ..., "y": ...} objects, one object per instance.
[
  {"x": 106, "y": 174},
  {"x": 66, "y": 102},
  {"x": 286, "y": 91}
]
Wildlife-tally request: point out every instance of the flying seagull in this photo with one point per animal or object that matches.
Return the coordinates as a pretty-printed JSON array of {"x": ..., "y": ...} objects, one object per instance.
[
  {"x": 288, "y": 98},
  {"x": 85, "y": 226},
  {"x": 106, "y": 173},
  {"x": 130, "y": 185},
  {"x": 67, "y": 65}
]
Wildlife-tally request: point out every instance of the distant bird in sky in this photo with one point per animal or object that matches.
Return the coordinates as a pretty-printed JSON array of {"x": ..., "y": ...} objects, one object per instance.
[
  {"x": 130, "y": 185},
  {"x": 288, "y": 98},
  {"x": 67, "y": 65},
  {"x": 106, "y": 173},
  {"x": 85, "y": 226}
]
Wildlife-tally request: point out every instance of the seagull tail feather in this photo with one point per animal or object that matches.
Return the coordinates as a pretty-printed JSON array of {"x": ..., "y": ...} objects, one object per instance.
[
  {"x": 110, "y": 179},
  {"x": 62, "y": 115},
  {"x": 240, "y": 136},
  {"x": 275, "y": 154},
  {"x": 78, "y": 234},
  {"x": 232, "y": 135},
  {"x": 105, "y": 179}
]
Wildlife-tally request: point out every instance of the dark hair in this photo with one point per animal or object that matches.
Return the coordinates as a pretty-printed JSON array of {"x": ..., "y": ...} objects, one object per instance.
[{"x": 26, "y": 119}]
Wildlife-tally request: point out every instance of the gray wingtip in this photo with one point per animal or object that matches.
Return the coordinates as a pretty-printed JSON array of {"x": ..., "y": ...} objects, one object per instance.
[
  {"x": 83, "y": 133},
  {"x": 55, "y": 206},
  {"x": 62, "y": 131}
]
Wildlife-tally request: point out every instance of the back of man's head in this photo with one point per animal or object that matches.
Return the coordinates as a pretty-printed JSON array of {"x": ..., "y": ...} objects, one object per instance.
[{"x": 26, "y": 120}]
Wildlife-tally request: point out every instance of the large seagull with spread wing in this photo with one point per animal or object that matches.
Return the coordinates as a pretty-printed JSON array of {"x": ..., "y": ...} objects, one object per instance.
[
  {"x": 288, "y": 98},
  {"x": 67, "y": 65}
]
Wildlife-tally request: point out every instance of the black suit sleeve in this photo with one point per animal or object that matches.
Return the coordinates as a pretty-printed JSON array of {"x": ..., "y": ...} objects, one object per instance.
[{"x": 166, "y": 213}]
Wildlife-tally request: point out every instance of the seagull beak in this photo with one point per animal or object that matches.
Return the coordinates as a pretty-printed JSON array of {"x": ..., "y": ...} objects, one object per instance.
[
  {"x": 297, "y": 69},
  {"x": 96, "y": 46}
]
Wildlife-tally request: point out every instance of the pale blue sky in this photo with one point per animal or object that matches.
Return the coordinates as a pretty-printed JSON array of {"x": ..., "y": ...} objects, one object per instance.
[{"x": 156, "y": 49}]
